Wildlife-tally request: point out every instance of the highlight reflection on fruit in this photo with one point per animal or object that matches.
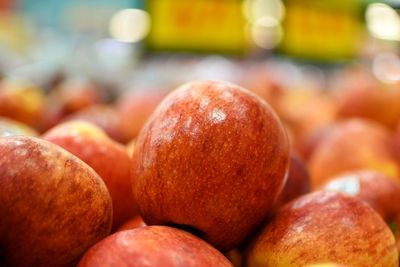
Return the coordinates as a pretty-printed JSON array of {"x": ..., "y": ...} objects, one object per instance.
[
  {"x": 210, "y": 155},
  {"x": 378, "y": 190},
  {"x": 325, "y": 227}
]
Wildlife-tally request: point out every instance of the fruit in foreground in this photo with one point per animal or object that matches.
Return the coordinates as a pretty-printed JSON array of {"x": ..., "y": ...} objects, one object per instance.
[
  {"x": 325, "y": 226},
  {"x": 210, "y": 155},
  {"x": 155, "y": 246},
  {"x": 53, "y": 206},
  {"x": 378, "y": 190},
  {"x": 107, "y": 157}
]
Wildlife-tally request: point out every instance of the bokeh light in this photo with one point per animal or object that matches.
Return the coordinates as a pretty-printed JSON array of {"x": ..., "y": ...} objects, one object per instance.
[
  {"x": 130, "y": 25},
  {"x": 383, "y": 22}
]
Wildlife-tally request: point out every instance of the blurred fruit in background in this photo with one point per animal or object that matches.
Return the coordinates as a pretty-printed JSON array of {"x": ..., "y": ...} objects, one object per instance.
[
  {"x": 353, "y": 144},
  {"x": 9, "y": 127},
  {"x": 105, "y": 117},
  {"x": 21, "y": 101},
  {"x": 135, "y": 108},
  {"x": 297, "y": 183},
  {"x": 364, "y": 96}
]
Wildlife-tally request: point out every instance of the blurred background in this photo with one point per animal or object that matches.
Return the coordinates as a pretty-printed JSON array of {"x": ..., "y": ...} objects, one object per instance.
[
  {"x": 308, "y": 58},
  {"x": 150, "y": 41}
]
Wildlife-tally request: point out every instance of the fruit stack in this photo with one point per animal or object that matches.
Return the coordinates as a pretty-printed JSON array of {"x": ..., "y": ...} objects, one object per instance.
[{"x": 209, "y": 175}]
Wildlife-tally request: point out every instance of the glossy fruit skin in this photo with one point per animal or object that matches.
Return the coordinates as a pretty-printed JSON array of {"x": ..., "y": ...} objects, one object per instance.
[
  {"x": 325, "y": 226},
  {"x": 156, "y": 246},
  {"x": 378, "y": 190},
  {"x": 53, "y": 206},
  {"x": 213, "y": 157},
  {"x": 107, "y": 157}
]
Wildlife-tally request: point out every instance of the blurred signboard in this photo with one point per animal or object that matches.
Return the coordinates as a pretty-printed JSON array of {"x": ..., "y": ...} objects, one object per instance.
[
  {"x": 197, "y": 25},
  {"x": 324, "y": 30}
]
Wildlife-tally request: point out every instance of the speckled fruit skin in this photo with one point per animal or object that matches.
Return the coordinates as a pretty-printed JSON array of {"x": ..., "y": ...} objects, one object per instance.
[
  {"x": 352, "y": 145},
  {"x": 107, "y": 157},
  {"x": 53, "y": 207},
  {"x": 298, "y": 181},
  {"x": 325, "y": 226},
  {"x": 213, "y": 157},
  {"x": 155, "y": 246}
]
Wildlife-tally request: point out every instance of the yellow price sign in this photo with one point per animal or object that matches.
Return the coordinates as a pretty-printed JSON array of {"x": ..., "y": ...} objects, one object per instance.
[
  {"x": 320, "y": 33},
  {"x": 197, "y": 25}
]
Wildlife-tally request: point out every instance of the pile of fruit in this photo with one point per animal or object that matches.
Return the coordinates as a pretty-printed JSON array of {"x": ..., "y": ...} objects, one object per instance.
[{"x": 211, "y": 174}]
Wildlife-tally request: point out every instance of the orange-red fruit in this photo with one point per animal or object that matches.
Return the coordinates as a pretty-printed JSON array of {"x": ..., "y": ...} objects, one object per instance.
[
  {"x": 135, "y": 108},
  {"x": 378, "y": 190},
  {"x": 325, "y": 226},
  {"x": 298, "y": 182},
  {"x": 21, "y": 101},
  {"x": 156, "y": 246},
  {"x": 103, "y": 116},
  {"x": 362, "y": 96},
  {"x": 107, "y": 157},
  {"x": 53, "y": 207},
  {"x": 136, "y": 222},
  {"x": 212, "y": 158},
  {"x": 352, "y": 145}
]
